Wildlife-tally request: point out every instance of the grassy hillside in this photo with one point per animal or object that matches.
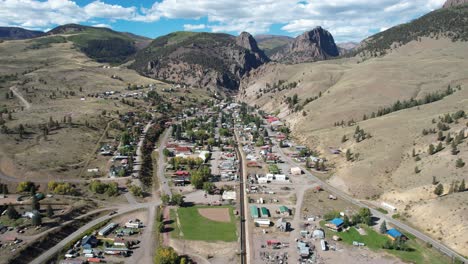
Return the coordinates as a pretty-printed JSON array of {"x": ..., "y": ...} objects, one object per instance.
[
  {"x": 383, "y": 167},
  {"x": 447, "y": 22},
  {"x": 53, "y": 79},
  {"x": 101, "y": 44},
  {"x": 271, "y": 43}
]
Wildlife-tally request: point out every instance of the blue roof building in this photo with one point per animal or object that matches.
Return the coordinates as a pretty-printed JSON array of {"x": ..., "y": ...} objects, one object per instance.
[
  {"x": 394, "y": 234},
  {"x": 338, "y": 222},
  {"x": 89, "y": 242}
]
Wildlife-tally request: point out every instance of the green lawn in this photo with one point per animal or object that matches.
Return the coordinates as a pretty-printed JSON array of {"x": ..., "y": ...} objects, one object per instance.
[
  {"x": 420, "y": 252},
  {"x": 196, "y": 227}
]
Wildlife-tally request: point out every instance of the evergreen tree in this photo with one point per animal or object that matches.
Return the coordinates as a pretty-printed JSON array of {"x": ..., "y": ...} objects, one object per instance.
[
  {"x": 440, "y": 136},
  {"x": 21, "y": 130},
  {"x": 439, "y": 190},
  {"x": 459, "y": 163},
  {"x": 322, "y": 166},
  {"x": 462, "y": 187},
  {"x": 439, "y": 147},
  {"x": 36, "y": 219},
  {"x": 434, "y": 180},
  {"x": 414, "y": 153},
  {"x": 12, "y": 213},
  {"x": 50, "y": 211},
  {"x": 343, "y": 139},
  {"x": 348, "y": 155},
  {"x": 35, "y": 203},
  {"x": 383, "y": 227},
  {"x": 454, "y": 148},
  {"x": 431, "y": 149},
  {"x": 416, "y": 170}
]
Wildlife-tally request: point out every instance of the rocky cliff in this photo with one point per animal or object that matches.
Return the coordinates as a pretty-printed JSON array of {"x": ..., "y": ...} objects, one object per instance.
[
  {"x": 451, "y": 3},
  {"x": 314, "y": 45},
  {"x": 205, "y": 60}
]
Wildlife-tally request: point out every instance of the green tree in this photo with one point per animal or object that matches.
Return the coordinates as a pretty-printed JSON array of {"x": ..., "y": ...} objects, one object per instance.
[
  {"x": 431, "y": 150},
  {"x": 349, "y": 156},
  {"x": 439, "y": 190},
  {"x": 454, "y": 148},
  {"x": 165, "y": 199},
  {"x": 177, "y": 199},
  {"x": 24, "y": 186},
  {"x": 383, "y": 227},
  {"x": 166, "y": 255},
  {"x": 322, "y": 166},
  {"x": 12, "y": 213},
  {"x": 346, "y": 221},
  {"x": 416, "y": 170},
  {"x": 35, "y": 205},
  {"x": 161, "y": 227},
  {"x": 50, "y": 211},
  {"x": 36, "y": 218},
  {"x": 208, "y": 187},
  {"x": 344, "y": 139},
  {"x": 21, "y": 130},
  {"x": 439, "y": 147},
  {"x": 459, "y": 163},
  {"x": 462, "y": 187}
]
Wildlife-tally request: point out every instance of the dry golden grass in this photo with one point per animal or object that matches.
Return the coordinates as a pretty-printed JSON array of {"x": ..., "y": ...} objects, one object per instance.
[{"x": 385, "y": 167}]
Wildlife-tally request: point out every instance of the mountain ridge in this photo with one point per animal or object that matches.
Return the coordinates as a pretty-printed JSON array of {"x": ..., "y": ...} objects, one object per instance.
[{"x": 14, "y": 33}]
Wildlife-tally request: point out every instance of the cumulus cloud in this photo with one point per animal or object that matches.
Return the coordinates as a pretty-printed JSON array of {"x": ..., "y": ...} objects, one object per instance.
[
  {"x": 190, "y": 27},
  {"x": 102, "y": 25},
  {"x": 346, "y": 19}
]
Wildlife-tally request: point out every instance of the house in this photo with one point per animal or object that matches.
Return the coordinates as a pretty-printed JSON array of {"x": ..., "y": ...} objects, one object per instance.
[
  {"x": 88, "y": 242},
  {"x": 318, "y": 233},
  {"x": 262, "y": 222},
  {"x": 296, "y": 171},
  {"x": 183, "y": 150},
  {"x": 304, "y": 249},
  {"x": 282, "y": 225},
  {"x": 335, "y": 224},
  {"x": 229, "y": 195},
  {"x": 394, "y": 234},
  {"x": 107, "y": 229},
  {"x": 134, "y": 224},
  {"x": 254, "y": 211},
  {"x": 265, "y": 212},
  {"x": 120, "y": 242},
  {"x": 284, "y": 211}
]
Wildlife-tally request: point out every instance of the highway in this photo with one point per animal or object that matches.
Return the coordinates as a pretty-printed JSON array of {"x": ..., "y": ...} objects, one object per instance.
[
  {"x": 342, "y": 195},
  {"x": 245, "y": 245},
  {"x": 44, "y": 257}
]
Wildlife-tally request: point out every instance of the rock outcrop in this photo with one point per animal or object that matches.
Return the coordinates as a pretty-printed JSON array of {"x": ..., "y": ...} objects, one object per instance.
[
  {"x": 204, "y": 60},
  {"x": 314, "y": 45},
  {"x": 451, "y": 3}
]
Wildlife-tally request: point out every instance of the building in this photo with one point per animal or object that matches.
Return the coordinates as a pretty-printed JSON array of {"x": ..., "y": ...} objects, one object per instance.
[
  {"x": 265, "y": 212},
  {"x": 107, "y": 229},
  {"x": 229, "y": 195},
  {"x": 335, "y": 224},
  {"x": 318, "y": 233},
  {"x": 304, "y": 249},
  {"x": 134, "y": 224},
  {"x": 283, "y": 225},
  {"x": 262, "y": 222},
  {"x": 296, "y": 171},
  {"x": 394, "y": 234},
  {"x": 284, "y": 211},
  {"x": 254, "y": 211},
  {"x": 89, "y": 242},
  {"x": 120, "y": 242}
]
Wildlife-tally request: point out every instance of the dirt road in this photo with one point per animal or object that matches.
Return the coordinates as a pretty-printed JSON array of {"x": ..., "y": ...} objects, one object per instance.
[{"x": 15, "y": 91}]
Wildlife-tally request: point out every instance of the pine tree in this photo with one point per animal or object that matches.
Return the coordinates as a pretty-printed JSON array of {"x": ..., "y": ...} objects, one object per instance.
[
  {"x": 434, "y": 180},
  {"x": 35, "y": 203},
  {"x": 451, "y": 188},
  {"x": 439, "y": 147},
  {"x": 343, "y": 139},
  {"x": 322, "y": 166},
  {"x": 416, "y": 170},
  {"x": 454, "y": 148},
  {"x": 50, "y": 211},
  {"x": 21, "y": 130},
  {"x": 12, "y": 213},
  {"x": 459, "y": 163},
  {"x": 36, "y": 219},
  {"x": 383, "y": 227},
  {"x": 440, "y": 136},
  {"x": 439, "y": 190},
  {"x": 431, "y": 149},
  {"x": 462, "y": 187},
  {"x": 414, "y": 153},
  {"x": 348, "y": 155}
]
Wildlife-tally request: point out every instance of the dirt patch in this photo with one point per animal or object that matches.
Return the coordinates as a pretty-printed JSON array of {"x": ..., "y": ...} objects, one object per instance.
[{"x": 216, "y": 214}]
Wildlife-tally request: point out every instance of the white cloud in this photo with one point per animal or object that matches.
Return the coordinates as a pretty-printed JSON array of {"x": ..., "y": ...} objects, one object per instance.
[
  {"x": 190, "y": 27},
  {"x": 102, "y": 25},
  {"x": 346, "y": 19}
]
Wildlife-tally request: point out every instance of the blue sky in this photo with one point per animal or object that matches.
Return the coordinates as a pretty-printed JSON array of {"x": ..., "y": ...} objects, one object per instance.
[{"x": 347, "y": 20}]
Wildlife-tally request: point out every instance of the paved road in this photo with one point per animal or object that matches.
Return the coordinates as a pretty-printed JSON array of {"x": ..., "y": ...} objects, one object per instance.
[
  {"x": 244, "y": 234},
  {"x": 55, "y": 249},
  {"x": 435, "y": 244},
  {"x": 164, "y": 186},
  {"x": 15, "y": 91}
]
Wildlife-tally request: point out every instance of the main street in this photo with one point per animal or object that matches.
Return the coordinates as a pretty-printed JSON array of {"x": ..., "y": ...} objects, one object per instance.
[{"x": 342, "y": 195}]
